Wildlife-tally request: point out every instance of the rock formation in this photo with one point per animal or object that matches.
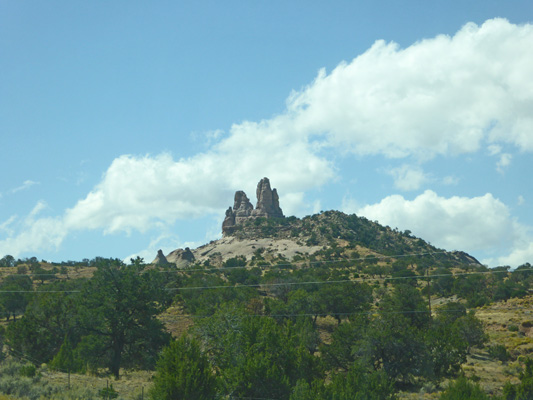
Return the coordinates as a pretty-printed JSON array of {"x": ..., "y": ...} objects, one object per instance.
[
  {"x": 160, "y": 259},
  {"x": 242, "y": 209},
  {"x": 267, "y": 206},
  {"x": 181, "y": 257},
  {"x": 267, "y": 201}
]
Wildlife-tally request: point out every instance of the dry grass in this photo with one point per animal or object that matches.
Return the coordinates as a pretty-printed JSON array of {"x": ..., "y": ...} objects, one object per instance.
[
  {"x": 131, "y": 384},
  {"x": 175, "y": 320},
  {"x": 507, "y": 324}
]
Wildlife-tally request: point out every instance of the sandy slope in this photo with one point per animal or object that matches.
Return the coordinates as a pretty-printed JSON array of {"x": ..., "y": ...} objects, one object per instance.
[{"x": 229, "y": 247}]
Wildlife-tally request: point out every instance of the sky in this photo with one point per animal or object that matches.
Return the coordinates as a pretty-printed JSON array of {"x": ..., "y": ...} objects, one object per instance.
[{"x": 127, "y": 126}]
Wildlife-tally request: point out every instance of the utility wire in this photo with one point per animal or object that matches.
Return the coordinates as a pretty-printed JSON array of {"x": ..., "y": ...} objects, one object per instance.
[
  {"x": 356, "y": 280},
  {"x": 259, "y": 285}
]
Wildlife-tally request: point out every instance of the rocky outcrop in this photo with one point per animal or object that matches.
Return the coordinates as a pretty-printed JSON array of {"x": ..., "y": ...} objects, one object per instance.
[
  {"x": 267, "y": 206},
  {"x": 160, "y": 259},
  {"x": 181, "y": 257},
  {"x": 267, "y": 201}
]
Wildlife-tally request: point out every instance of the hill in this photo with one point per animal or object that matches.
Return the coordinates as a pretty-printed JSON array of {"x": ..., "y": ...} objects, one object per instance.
[
  {"x": 325, "y": 235},
  {"x": 332, "y": 299}
]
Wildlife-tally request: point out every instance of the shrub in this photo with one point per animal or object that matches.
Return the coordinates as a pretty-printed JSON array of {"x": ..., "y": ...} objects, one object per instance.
[
  {"x": 108, "y": 393},
  {"x": 28, "y": 370},
  {"x": 463, "y": 389},
  {"x": 499, "y": 352},
  {"x": 183, "y": 372}
]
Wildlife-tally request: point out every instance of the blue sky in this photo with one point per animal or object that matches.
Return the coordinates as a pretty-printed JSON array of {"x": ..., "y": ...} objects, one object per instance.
[{"x": 127, "y": 126}]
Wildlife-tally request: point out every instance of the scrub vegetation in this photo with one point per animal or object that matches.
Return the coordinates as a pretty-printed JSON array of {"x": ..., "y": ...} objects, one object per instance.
[{"x": 375, "y": 314}]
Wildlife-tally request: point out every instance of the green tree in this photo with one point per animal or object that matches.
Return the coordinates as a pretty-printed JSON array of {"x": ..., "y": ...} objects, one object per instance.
[
  {"x": 407, "y": 300},
  {"x": 344, "y": 299},
  {"x": 120, "y": 305},
  {"x": 446, "y": 348},
  {"x": 65, "y": 360},
  {"x": 346, "y": 341},
  {"x": 524, "y": 390},
  {"x": 183, "y": 372},
  {"x": 7, "y": 261},
  {"x": 14, "y": 294},
  {"x": 394, "y": 345},
  {"x": 2, "y": 340},
  {"x": 463, "y": 389},
  {"x": 360, "y": 384},
  {"x": 49, "y": 317},
  {"x": 471, "y": 331},
  {"x": 41, "y": 274},
  {"x": 256, "y": 357},
  {"x": 307, "y": 391}
]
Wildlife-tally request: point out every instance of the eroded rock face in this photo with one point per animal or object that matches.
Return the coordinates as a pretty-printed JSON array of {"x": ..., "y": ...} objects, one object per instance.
[
  {"x": 242, "y": 208},
  {"x": 160, "y": 259},
  {"x": 181, "y": 257},
  {"x": 267, "y": 201},
  {"x": 267, "y": 206}
]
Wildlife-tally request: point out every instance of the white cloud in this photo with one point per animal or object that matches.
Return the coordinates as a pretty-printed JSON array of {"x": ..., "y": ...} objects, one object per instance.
[
  {"x": 471, "y": 224},
  {"x": 408, "y": 177},
  {"x": 6, "y": 226},
  {"x": 37, "y": 235},
  {"x": 519, "y": 255},
  {"x": 25, "y": 185},
  {"x": 440, "y": 96},
  {"x": 505, "y": 161},
  {"x": 494, "y": 149},
  {"x": 137, "y": 192},
  {"x": 450, "y": 181},
  {"x": 521, "y": 200}
]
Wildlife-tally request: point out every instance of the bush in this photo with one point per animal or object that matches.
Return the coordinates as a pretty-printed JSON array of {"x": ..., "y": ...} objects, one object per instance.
[
  {"x": 499, "y": 352},
  {"x": 463, "y": 389},
  {"x": 108, "y": 393},
  {"x": 28, "y": 370},
  {"x": 183, "y": 372}
]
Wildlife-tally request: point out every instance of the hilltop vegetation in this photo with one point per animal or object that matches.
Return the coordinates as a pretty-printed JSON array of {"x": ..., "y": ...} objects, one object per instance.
[{"x": 373, "y": 313}]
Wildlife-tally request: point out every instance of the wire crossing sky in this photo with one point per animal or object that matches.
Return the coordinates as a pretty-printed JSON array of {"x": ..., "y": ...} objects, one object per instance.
[{"x": 127, "y": 127}]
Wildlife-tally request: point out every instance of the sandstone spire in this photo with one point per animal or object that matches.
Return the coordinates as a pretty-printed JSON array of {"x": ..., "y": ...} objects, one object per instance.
[
  {"x": 267, "y": 201},
  {"x": 267, "y": 206}
]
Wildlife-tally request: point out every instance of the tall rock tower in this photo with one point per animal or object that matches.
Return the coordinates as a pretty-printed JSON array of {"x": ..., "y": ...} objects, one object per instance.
[
  {"x": 267, "y": 206},
  {"x": 267, "y": 201}
]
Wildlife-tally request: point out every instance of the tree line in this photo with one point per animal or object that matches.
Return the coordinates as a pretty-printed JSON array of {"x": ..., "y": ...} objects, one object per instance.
[{"x": 259, "y": 330}]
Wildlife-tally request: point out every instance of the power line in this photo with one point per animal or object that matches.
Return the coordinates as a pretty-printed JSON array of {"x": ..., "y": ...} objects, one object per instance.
[
  {"x": 259, "y": 285},
  {"x": 355, "y": 280},
  {"x": 40, "y": 291},
  {"x": 373, "y": 313}
]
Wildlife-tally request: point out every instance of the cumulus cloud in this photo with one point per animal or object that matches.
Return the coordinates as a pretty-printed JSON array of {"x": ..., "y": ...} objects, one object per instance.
[
  {"x": 472, "y": 224},
  {"x": 504, "y": 161},
  {"x": 137, "y": 192},
  {"x": 443, "y": 96},
  {"x": 408, "y": 177},
  {"x": 519, "y": 255},
  {"x": 440, "y": 96},
  {"x": 40, "y": 234}
]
